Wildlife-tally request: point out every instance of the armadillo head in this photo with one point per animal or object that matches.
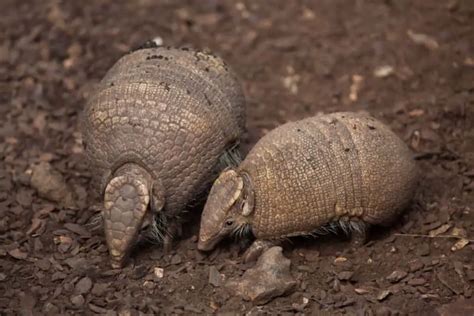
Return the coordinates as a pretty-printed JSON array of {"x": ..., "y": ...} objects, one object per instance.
[
  {"x": 227, "y": 209},
  {"x": 127, "y": 200}
]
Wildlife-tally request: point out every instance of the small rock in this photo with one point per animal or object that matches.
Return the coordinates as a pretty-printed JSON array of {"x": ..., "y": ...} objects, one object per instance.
[
  {"x": 460, "y": 244},
  {"x": 76, "y": 262},
  {"x": 312, "y": 255},
  {"x": 361, "y": 291},
  {"x": 97, "y": 309},
  {"x": 396, "y": 276},
  {"x": 18, "y": 254},
  {"x": 77, "y": 300},
  {"x": 50, "y": 309},
  {"x": 99, "y": 289},
  {"x": 299, "y": 307},
  {"x": 460, "y": 232},
  {"x": 139, "y": 272},
  {"x": 345, "y": 275},
  {"x": 383, "y": 71},
  {"x": 43, "y": 264},
  {"x": 423, "y": 249},
  {"x": 215, "y": 278},
  {"x": 84, "y": 285},
  {"x": 340, "y": 260},
  {"x": 2, "y": 276},
  {"x": 58, "y": 276},
  {"x": 383, "y": 295},
  {"x": 51, "y": 185},
  {"x": 269, "y": 278},
  {"x": 150, "y": 285},
  {"x": 176, "y": 259},
  {"x": 416, "y": 281},
  {"x": 415, "y": 265},
  {"x": 78, "y": 229},
  {"x": 158, "y": 272},
  {"x": 423, "y": 39}
]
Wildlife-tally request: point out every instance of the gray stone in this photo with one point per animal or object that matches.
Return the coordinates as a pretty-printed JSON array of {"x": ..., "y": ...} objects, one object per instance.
[{"x": 269, "y": 278}]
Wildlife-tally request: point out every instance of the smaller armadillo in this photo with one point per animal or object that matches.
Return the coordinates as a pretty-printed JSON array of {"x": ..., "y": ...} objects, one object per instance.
[{"x": 343, "y": 170}]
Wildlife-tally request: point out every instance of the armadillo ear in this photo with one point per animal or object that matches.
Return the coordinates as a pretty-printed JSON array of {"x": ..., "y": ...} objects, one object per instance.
[
  {"x": 228, "y": 187},
  {"x": 249, "y": 198}
]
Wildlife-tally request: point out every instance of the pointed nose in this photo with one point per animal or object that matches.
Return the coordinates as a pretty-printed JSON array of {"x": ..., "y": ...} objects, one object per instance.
[{"x": 207, "y": 244}]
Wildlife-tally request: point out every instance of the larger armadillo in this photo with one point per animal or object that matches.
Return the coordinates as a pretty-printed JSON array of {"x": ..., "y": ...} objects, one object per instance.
[
  {"x": 154, "y": 133},
  {"x": 340, "y": 169}
]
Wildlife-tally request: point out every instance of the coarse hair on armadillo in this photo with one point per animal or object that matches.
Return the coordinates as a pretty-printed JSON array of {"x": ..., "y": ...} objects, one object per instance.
[
  {"x": 230, "y": 158},
  {"x": 347, "y": 227},
  {"x": 158, "y": 229},
  {"x": 242, "y": 231}
]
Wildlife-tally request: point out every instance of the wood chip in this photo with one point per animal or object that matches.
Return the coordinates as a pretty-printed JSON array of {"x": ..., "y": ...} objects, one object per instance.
[
  {"x": 18, "y": 254},
  {"x": 440, "y": 230},
  {"x": 460, "y": 244},
  {"x": 383, "y": 295},
  {"x": 423, "y": 40}
]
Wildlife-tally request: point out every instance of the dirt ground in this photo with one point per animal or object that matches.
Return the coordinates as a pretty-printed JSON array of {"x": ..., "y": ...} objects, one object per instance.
[{"x": 408, "y": 63}]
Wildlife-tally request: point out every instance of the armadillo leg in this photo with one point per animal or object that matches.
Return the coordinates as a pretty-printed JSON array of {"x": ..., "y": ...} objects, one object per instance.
[
  {"x": 126, "y": 201},
  {"x": 359, "y": 233},
  {"x": 258, "y": 247},
  {"x": 174, "y": 230}
]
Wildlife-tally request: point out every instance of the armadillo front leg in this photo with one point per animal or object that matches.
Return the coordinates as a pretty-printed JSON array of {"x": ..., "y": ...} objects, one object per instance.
[
  {"x": 359, "y": 233},
  {"x": 258, "y": 247},
  {"x": 175, "y": 229}
]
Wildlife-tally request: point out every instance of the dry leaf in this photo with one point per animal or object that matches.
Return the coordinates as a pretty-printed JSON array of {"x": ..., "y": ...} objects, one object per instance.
[
  {"x": 461, "y": 243},
  {"x": 423, "y": 39},
  {"x": 440, "y": 230}
]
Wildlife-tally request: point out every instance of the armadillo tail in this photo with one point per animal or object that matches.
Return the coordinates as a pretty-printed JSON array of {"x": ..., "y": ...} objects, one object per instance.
[{"x": 126, "y": 201}]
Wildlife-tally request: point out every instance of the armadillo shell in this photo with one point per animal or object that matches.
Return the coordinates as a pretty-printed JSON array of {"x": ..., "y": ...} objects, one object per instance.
[
  {"x": 326, "y": 168},
  {"x": 172, "y": 111}
]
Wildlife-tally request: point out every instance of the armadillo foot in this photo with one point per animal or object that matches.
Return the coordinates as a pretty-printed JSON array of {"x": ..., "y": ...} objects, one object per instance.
[
  {"x": 359, "y": 236},
  {"x": 167, "y": 243},
  {"x": 174, "y": 230},
  {"x": 258, "y": 247}
]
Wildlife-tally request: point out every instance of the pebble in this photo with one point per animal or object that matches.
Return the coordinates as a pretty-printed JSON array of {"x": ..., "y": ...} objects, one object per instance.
[
  {"x": 77, "y": 300},
  {"x": 396, "y": 276},
  {"x": 415, "y": 265},
  {"x": 176, "y": 259},
  {"x": 345, "y": 275},
  {"x": 269, "y": 278},
  {"x": 424, "y": 249},
  {"x": 383, "y": 295},
  {"x": 416, "y": 281},
  {"x": 158, "y": 272},
  {"x": 215, "y": 278},
  {"x": 83, "y": 286}
]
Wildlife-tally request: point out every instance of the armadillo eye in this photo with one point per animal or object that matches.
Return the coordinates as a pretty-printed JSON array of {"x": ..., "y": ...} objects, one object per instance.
[{"x": 229, "y": 222}]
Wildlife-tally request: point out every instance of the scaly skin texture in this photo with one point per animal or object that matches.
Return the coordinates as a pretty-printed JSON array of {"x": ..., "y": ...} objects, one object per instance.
[
  {"x": 171, "y": 113},
  {"x": 340, "y": 166}
]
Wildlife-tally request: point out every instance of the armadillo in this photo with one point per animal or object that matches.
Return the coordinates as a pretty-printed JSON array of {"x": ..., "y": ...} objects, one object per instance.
[
  {"x": 340, "y": 170},
  {"x": 156, "y": 133}
]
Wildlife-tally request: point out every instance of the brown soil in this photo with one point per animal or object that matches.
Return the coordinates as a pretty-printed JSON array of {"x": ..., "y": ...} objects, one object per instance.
[{"x": 295, "y": 58}]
